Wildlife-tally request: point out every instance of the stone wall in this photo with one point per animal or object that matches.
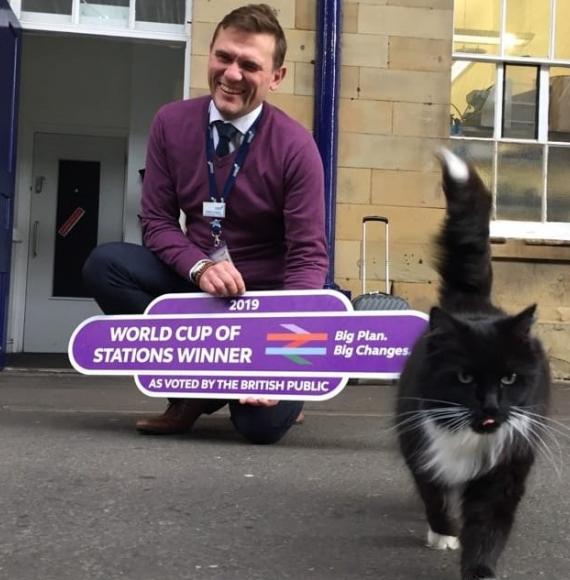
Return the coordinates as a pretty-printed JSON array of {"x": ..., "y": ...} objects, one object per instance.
[
  {"x": 394, "y": 113},
  {"x": 297, "y": 17}
]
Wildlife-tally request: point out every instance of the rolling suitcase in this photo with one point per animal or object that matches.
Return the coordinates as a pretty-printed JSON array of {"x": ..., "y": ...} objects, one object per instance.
[{"x": 377, "y": 300}]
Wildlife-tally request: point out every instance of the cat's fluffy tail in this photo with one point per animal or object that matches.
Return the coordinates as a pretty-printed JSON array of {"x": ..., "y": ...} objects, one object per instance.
[{"x": 464, "y": 254}]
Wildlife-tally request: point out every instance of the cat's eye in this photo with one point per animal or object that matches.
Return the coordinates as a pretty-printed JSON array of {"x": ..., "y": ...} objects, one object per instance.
[
  {"x": 464, "y": 378},
  {"x": 509, "y": 379}
]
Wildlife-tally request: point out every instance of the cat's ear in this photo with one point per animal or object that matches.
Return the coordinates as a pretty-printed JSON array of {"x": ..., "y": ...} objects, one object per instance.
[
  {"x": 440, "y": 321},
  {"x": 520, "y": 324}
]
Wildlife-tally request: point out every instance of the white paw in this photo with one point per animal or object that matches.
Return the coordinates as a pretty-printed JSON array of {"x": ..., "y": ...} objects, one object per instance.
[{"x": 439, "y": 542}]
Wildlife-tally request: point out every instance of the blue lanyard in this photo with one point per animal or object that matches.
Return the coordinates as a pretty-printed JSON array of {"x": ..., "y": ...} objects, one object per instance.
[
  {"x": 216, "y": 224},
  {"x": 238, "y": 163}
]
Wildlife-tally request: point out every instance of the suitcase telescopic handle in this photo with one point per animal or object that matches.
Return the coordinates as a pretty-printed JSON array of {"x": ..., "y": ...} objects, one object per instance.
[
  {"x": 375, "y": 218},
  {"x": 384, "y": 220}
]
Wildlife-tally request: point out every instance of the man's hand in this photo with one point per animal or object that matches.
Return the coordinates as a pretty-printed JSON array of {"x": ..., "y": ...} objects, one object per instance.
[
  {"x": 258, "y": 402},
  {"x": 222, "y": 279}
]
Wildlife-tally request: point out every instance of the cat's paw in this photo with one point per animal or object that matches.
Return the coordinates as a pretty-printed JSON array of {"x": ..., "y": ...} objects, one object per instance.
[{"x": 438, "y": 542}]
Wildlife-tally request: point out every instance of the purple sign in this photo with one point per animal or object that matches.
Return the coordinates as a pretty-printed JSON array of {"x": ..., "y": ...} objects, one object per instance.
[
  {"x": 306, "y": 388},
  {"x": 273, "y": 351},
  {"x": 290, "y": 300},
  {"x": 283, "y": 301}
]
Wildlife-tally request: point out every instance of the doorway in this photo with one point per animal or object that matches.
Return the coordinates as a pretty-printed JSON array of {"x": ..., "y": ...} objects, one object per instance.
[
  {"x": 73, "y": 87},
  {"x": 77, "y": 202}
]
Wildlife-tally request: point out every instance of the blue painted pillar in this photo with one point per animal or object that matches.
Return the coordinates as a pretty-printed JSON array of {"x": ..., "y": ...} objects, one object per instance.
[
  {"x": 325, "y": 128},
  {"x": 10, "y": 42}
]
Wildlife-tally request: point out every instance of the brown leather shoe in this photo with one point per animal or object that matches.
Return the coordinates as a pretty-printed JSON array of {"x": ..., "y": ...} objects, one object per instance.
[{"x": 179, "y": 417}]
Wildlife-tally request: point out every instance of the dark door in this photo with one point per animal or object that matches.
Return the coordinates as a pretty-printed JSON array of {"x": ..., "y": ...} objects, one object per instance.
[{"x": 10, "y": 42}]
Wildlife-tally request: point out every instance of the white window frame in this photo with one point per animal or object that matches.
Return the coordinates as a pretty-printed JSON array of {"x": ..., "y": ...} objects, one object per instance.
[
  {"x": 73, "y": 24},
  {"x": 542, "y": 231}
]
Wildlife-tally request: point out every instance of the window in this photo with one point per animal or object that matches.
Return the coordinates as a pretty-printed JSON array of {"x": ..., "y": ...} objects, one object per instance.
[
  {"x": 49, "y": 10},
  {"x": 104, "y": 13},
  {"x": 48, "y": 6},
  {"x": 510, "y": 109},
  {"x": 129, "y": 18}
]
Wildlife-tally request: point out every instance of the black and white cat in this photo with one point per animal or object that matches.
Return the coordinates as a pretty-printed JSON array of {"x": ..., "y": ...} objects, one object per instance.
[{"x": 474, "y": 391}]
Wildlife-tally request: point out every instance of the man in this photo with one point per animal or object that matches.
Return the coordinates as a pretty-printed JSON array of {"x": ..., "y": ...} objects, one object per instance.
[{"x": 261, "y": 229}]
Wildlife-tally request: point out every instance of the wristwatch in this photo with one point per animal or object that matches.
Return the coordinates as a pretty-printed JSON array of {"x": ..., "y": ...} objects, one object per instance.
[{"x": 199, "y": 269}]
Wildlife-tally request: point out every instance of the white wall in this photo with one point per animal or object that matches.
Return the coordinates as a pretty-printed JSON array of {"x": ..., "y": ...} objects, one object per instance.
[
  {"x": 93, "y": 86},
  {"x": 75, "y": 81},
  {"x": 156, "y": 78}
]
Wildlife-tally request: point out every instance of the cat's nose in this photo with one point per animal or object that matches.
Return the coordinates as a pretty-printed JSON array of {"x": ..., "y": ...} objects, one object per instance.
[{"x": 490, "y": 403}]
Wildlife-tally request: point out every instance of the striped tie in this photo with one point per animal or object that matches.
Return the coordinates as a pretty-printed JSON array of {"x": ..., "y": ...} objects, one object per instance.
[{"x": 226, "y": 132}]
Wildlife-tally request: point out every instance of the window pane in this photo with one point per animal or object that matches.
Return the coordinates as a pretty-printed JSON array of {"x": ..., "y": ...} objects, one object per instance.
[
  {"x": 105, "y": 12},
  {"x": 472, "y": 99},
  {"x": 519, "y": 182},
  {"x": 557, "y": 191},
  {"x": 480, "y": 153},
  {"x": 521, "y": 94},
  {"x": 165, "y": 11},
  {"x": 476, "y": 26},
  {"x": 559, "y": 113},
  {"x": 562, "y": 48},
  {"x": 78, "y": 192},
  {"x": 528, "y": 23},
  {"x": 47, "y": 6}
]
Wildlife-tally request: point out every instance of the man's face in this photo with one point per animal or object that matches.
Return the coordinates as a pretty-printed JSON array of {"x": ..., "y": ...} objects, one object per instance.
[{"x": 240, "y": 71}]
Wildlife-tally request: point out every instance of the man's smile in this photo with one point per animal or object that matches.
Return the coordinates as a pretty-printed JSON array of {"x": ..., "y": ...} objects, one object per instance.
[{"x": 230, "y": 90}]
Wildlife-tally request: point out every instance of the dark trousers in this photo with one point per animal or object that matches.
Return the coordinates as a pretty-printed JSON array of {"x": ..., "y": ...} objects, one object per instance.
[{"x": 124, "y": 278}]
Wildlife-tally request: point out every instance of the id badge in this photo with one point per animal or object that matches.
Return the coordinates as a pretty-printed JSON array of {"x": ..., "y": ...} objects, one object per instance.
[
  {"x": 214, "y": 209},
  {"x": 221, "y": 253}
]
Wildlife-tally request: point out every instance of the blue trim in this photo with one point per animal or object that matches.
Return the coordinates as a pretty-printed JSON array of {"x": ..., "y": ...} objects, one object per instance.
[
  {"x": 325, "y": 127},
  {"x": 10, "y": 32}
]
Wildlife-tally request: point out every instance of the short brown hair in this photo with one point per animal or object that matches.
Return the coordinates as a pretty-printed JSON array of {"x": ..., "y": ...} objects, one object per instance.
[{"x": 258, "y": 19}]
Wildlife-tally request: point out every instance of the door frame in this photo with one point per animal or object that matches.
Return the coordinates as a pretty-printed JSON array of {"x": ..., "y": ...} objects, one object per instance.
[
  {"x": 49, "y": 147},
  {"x": 22, "y": 217},
  {"x": 16, "y": 301}
]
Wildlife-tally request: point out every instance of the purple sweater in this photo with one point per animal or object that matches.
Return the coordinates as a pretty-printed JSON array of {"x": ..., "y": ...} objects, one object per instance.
[{"x": 274, "y": 224}]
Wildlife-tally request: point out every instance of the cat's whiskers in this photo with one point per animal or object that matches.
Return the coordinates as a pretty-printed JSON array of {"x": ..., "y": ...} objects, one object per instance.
[
  {"x": 560, "y": 428},
  {"x": 426, "y": 400},
  {"x": 460, "y": 424},
  {"x": 419, "y": 417},
  {"x": 409, "y": 424},
  {"x": 524, "y": 407},
  {"x": 540, "y": 427},
  {"x": 542, "y": 448},
  {"x": 535, "y": 436}
]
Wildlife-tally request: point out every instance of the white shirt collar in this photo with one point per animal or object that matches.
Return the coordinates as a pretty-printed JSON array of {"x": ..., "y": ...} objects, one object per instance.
[{"x": 242, "y": 124}]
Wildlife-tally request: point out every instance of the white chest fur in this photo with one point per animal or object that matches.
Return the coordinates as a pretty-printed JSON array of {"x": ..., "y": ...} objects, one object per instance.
[{"x": 457, "y": 457}]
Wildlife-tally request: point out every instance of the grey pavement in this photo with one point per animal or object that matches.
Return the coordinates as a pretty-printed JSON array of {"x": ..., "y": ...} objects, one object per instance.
[{"x": 84, "y": 497}]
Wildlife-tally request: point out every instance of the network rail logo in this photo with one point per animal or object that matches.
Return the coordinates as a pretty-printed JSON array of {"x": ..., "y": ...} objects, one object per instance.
[{"x": 295, "y": 348}]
